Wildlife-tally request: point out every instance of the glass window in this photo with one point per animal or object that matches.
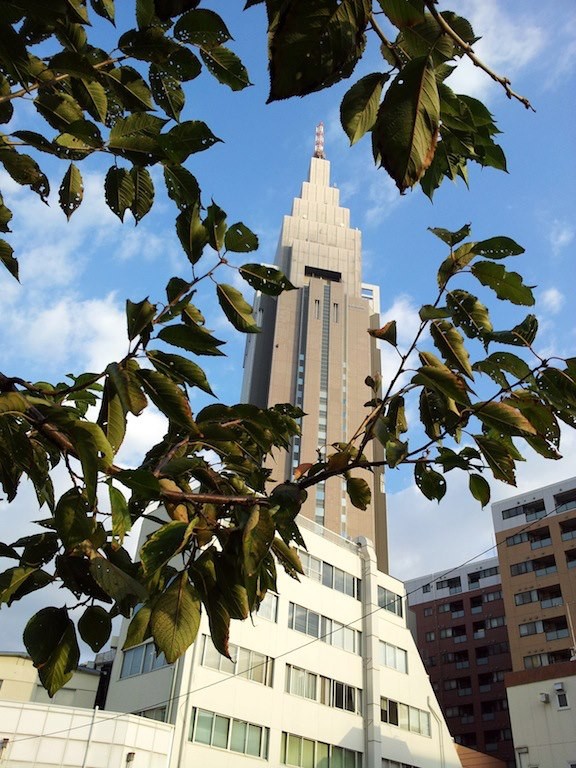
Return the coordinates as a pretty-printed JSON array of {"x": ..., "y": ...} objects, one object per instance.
[
  {"x": 238, "y": 737},
  {"x": 220, "y": 735},
  {"x": 253, "y": 740},
  {"x": 203, "y": 733}
]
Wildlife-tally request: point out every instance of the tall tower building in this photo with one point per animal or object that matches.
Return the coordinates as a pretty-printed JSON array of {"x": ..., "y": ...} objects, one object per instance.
[{"x": 314, "y": 350}]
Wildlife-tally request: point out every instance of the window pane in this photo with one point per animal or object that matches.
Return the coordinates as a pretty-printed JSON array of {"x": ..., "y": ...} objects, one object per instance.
[
  {"x": 211, "y": 655},
  {"x": 300, "y": 618},
  {"x": 393, "y": 712},
  {"x": 238, "y": 738},
  {"x": 325, "y": 690},
  {"x": 307, "y": 754},
  {"x": 403, "y": 716},
  {"x": 220, "y": 735},
  {"x": 253, "y": 741},
  {"x": 321, "y": 755},
  {"x": 337, "y": 636},
  {"x": 349, "y": 639},
  {"x": 293, "y": 750},
  {"x": 203, "y": 727},
  {"x": 243, "y": 662},
  {"x": 349, "y": 759},
  {"x": 350, "y": 698},
  {"x": 257, "y": 664},
  {"x": 337, "y": 760},
  {"x": 313, "y": 624},
  {"x": 311, "y": 686},
  {"x": 327, "y": 575},
  {"x": 149, "y": 657},
  {"x": 338, "y": 695},
  {"x": 349, "y": 584},
  {"x": 338, "y": 579}
]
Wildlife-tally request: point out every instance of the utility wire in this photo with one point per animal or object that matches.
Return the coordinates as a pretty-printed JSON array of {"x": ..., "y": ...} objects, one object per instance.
[{"x": 313, "y": 640}]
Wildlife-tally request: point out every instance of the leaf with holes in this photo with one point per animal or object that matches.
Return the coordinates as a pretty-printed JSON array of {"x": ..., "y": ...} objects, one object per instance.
[
  {"x": 431, "y": 483},
  {"x": 143, "y": 192},
  {"x": 268, "y": 280},
  {"x": 119, "y": 190},
  {"x": 506, "y": 285},
  {"x": 71, "y": 190},
  {"x": 50, "y": 639}
]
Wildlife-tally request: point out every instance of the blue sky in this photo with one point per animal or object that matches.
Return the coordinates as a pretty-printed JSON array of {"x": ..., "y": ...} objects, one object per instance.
[{"x": 67, "y": 314}]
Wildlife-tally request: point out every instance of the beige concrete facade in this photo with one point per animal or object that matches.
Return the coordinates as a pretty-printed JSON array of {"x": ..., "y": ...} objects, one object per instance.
[{"x": 314, "y": 351}]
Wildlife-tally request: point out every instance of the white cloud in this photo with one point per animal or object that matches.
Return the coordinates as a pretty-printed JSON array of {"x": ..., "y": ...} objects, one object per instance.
[
  {"x": 560, "y": 235},
  {"x": 552, "y": 300}
]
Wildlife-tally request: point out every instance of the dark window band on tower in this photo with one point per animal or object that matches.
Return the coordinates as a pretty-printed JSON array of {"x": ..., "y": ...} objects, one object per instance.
[{"x": 325, "y": 274}]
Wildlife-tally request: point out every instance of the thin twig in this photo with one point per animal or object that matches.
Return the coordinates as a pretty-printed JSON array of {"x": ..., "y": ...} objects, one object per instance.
[{"x": 469, "y": 52}]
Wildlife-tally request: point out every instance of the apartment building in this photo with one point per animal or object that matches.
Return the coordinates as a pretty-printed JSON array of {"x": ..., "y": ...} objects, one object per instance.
[{"x": 460, "y": 631}]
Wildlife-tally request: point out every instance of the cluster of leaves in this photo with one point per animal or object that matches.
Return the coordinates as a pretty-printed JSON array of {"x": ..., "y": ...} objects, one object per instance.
[
  {"x": 528, "y": 394},
  {"x": 226, "y": 527}
]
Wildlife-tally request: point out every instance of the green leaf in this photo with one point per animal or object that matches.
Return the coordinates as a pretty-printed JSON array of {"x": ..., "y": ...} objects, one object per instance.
[
  {"x": 559, "y": 389},
  {"x": 265, "y": 279},
  {"x": 36, "y": 580},
  {"x": 386, "y": 333},
  {"x": 257, "y": 538},
  {"x": 59, "y": 109},
  {"x": 39, "y": 548},
  {"x": 504, "y": 418},
  {"x": 186, "y": 139},
  {"x": 314, "y": 45},
  {"x": 104, "y": 8},
  {"x": 406, "y": 130},
  {"x": 175, "y": 618},
  {"x": 167, "y": 92},
  {"x": 26, "y": 172},
  {"x": 139, "y": 317},
  {"x": 71, "y": 190},
  {"x": 203, "y": 28},
  {"x": 126, "y": 386},
  {"x": 50, "y": 639},
  {"x": 71, "y": 519},
  {"x": 287, "y": 557},
  {"x": 451, "y": 238},
  {"x": 92, "y": 96},
  {"x": 236, "y": 309},
  {"x": 141, "y": 481},
  {"x": 7, "y": 258},
  {"x": 168, "y": 398},
  {"x": 119, "y": 190},
  {"x": 116, "y": 582},
  {"x": 121, "y": 520},
  {"x": 480, "y": 489},
  {"x": 396, "y": 451},
  {"x": 95, "y": 627},
  {"x": 143, "y": 192},
  {"x": 5, "y": 216},
  {"x": 215, "y": 223},
  {"x": 498, "y": 248},
  {"x": 162, "y": 545},
  {"x": 431, "y": 483},
  {"x": 445, "y": 381},
  {"x": 359, "y": 492},
  {"x": 93, "y": 449},
  {"x": 498, "y": 457},
  {"x": 240, "y": 239},
  {"x": 469, "y": 313},
  {"x": 12, "y": 579},
  {"x": 181, "y": 186},
  {"x": 136, "y": 137},
  {"x": 226, "y": 67},
  {"x": 507, "y": 285},
  {"x": 494, "y": 364},
  {"x": 521, "y": 335},
  {"x": 360, "y": 104},
  {"x": 191, "y": 232},
  {"x": 139, "y": 627},
  {"x": 451, "y": 345},
  {"x": 180, "y": 369},
  {"x": 457, "y": 261},
  {"x": 193, "y": 338},
  {"x": 130, "y": 88}
]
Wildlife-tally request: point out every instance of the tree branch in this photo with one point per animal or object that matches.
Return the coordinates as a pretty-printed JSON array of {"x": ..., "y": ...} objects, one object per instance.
[{"x": 469, "y": 52}]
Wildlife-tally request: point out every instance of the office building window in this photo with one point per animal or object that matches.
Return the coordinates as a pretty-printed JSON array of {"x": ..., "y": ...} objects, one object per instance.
[
  {"x": 328, "y": 630},
  {"x": 305, "y": 753},
  {"x": 390, "y": 601},
  {"x": 228, "y": 733},
  {"x": 333, "y": 693},
  {"x": 268, "y": 608},
  {"x": 394, "y": 657},
  {"x": 405, "y": 717},
  {"x": 243, "y": 663},
  {"x": 141, "y": 659}
]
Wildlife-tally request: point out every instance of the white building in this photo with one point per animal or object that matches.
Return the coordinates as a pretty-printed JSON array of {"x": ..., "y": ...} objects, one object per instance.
[{"x": 327, "y": 674}]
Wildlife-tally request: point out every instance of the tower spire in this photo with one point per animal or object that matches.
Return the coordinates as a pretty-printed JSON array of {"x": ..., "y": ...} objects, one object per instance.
[{"x": 319, "y": 142}]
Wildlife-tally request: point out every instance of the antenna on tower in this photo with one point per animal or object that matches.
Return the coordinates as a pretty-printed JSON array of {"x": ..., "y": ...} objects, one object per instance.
[{"x": 319, "y": 142}]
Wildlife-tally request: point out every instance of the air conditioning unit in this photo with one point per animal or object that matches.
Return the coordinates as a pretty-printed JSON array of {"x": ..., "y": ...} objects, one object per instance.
[
  {"x": 559, "y": 687},
  {"x": 544, "y": 698}
]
